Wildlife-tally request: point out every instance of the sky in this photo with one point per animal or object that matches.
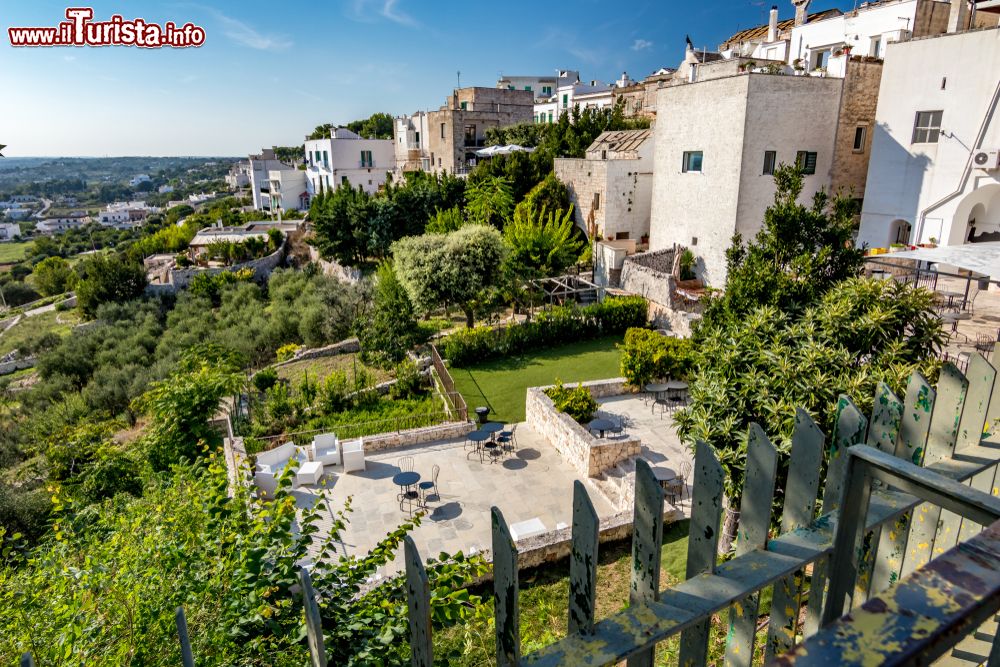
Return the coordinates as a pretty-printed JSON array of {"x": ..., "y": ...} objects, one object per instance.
[{"x": 271, "y": 70}]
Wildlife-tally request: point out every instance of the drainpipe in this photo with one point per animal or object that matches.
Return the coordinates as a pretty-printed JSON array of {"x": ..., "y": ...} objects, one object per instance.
[{"x": 967, "y": 173}]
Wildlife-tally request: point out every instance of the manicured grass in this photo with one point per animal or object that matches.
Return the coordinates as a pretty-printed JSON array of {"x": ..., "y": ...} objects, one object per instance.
[
  {"x": 13, "y": 252},
  {"x": 544, "y": 601},
  {"x": 500, "y": 384},
  {"x": 29, "y": 329}
]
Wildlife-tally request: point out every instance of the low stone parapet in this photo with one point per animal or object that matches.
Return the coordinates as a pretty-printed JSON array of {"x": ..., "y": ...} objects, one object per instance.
[{"x": 416, "y": 436}]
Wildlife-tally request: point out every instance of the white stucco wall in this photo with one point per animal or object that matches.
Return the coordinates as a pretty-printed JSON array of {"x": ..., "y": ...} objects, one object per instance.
[
  {"x": 906, "y": 181},
  {"x": 344, "y": 161},
  {"x": 884, "y": 22},
  {"x": 750, "y": 113}
]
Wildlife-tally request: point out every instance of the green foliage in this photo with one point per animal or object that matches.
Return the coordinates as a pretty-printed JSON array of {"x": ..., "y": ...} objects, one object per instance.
[
  {"x": 490, "y": 201},
  {"x": 181, "y": 407},
  {"x": 106, "y": 589},
  {"x": 542, "y": 245},
  {"x": 389, "y": 328},
  {"x": 648, "y": 355},
  {"x": 212, "y": 285},
  {"x": 53, "y": 275},
  {"x": 459, "y": 268},
  {"x": 577, "y": 402},
  {"x": 687, "y": 262},
  {"x": 264, "y": 379},
  {"x": 107, "y": 279},
  {"x": 559, "y": 325},
  {"x": 801, "y": 252},
  {"x": 551, "y": 194},
  {"x": 446, "y": 221},
  {"x": 409, "y": 381},
  {"x": 764, "y": 366},
  {"x": 286, "y": 352}
]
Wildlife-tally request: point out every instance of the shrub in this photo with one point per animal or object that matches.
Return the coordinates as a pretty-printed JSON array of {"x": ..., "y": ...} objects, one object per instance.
[
  {"x": 647, "y": 355},
  {"x": 286, "y": 352},
  {"x": 409, "y": 381},
  {"x": 563, "y": 324},
  {"x": 265, "y": 379},
  {"x": 578, "y": 403}
]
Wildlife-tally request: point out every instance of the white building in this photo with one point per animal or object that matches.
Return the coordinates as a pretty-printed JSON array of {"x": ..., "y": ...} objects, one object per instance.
[
  {"x": 611, "y": 188},
  {"x": 165, "y": 189},
  {"x": 288, "y": 190},
  {"x": 261, "y": 166},
  {"x": 9, "y": 231},
  {"x": 714, "y": 158},
  {"x": 18, "y": 213},
  {"x": 935, "y": 173},
  {"x": 137, "y": 179},
  {"x": 62, "y": 223},
  {"x": 411, "y": 135},
  {"x": 571, "y": 92},
  {"x": 239, "y": 175},
  {"x": 542, "y": 86},
  {"x": 345, "y": 158}
]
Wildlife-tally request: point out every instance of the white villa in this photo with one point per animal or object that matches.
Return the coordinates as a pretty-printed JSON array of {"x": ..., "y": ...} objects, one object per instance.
[
  {"x": 9, "y": 230},
  {"x": 571, "y": 92},
  {"x": 261, "y": 167},
  {"x": 345, "y": 158},
  {"x": 935, "y": 173}
]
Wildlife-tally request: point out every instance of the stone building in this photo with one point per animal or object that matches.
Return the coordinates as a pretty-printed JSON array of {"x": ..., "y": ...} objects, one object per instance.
[
  {"x": 447, "y": 139},
  {"x": 611, "y": 187}
]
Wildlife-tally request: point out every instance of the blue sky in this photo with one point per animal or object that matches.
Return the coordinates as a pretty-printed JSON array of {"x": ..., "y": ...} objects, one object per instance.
[{"x": 272, "y": 70}]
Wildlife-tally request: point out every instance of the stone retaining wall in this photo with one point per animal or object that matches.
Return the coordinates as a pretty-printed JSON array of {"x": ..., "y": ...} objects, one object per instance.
[
  {"x": 416, "y": 436},
  {"x": 345, "y": 346},
  {"x": 9, "y": 367},
  {"x": 587, "y": 453},
  {"x": 333, "y": 268}
]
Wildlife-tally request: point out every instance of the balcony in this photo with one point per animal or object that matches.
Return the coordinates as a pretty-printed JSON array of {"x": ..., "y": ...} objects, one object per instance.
[{"x": 474, "y": 143}]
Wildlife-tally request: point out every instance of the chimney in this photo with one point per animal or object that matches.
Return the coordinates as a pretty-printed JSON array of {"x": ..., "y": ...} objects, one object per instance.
[
  {"x": 958, "y": 17},
  {"x": 772, "y": 25},
  {"x": 801, "y": 11}
]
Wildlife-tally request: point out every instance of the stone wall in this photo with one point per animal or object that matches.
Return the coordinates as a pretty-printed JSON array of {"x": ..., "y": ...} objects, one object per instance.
[
  {"x": 181, "y": 278},
  {"x": 346, "y": 346},
  {"x": 588, "y": 454},
  {"x": 849, "y": 170},
  {"x": 9, "y": 367},
  {"x": 584, "y": 179},
  {"x": 333, "y": 268},
  {"x": 416, "y": 436},
  {"x": 649, "y": 274}
]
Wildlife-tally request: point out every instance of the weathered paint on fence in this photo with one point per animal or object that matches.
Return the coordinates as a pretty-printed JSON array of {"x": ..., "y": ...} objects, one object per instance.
[
  {"x": 805, "y": 466},
  {"x": 314, "y": 624},
  {"x": 583, "y": 562},
  {"x": 505, "y": 588},
  {"x": 187, "y": 657},
  {"x": 755, "y": 521},
  {"x": 418, "y": 601},
  {"x": 703, "y": 542},
  {"x": 647, "y": 538}
]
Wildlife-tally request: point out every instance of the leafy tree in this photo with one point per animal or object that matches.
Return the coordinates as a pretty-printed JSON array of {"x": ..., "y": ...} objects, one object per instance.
[
  {"x": 490, "y": 201},
  {"x": 647, "y": 355},
  {"x": 550, "y": 194},
  {"x": 389, "y": 328},
  {"x": 107, "y": 279},
  {"x": 376, "y": 126},
  {"x": 459, "y": 268},
  {"x": 446, "y": 221},
  {"x": 321, "y": 132},
  {"x": 800, "y": 252},
  {"x": 542, "y": 245},
  {"x": 53, "y": 275}
]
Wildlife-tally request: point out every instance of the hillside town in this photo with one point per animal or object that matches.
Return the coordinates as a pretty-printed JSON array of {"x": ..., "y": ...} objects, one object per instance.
[{"x": 698, "y": 367}]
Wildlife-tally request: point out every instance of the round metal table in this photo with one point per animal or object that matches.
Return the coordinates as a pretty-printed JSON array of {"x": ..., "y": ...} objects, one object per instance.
[
  {"x": 601, "y": 425},
  {"x": 405, "y": 479}
]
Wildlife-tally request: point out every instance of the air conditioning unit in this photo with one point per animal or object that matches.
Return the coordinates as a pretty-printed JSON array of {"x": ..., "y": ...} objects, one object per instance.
[{"x": 986, "y": 160}]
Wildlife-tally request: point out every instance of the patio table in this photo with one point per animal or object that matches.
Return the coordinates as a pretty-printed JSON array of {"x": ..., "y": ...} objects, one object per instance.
[
  {"x": 601, "y": 425},
  {"x": 951, "y": 296},
  {"x": 478, "y": 438},
  {"x": 675, "y": 389},
  {"x": 406, "y": 479},
  {"x": 309, "y": 472}
]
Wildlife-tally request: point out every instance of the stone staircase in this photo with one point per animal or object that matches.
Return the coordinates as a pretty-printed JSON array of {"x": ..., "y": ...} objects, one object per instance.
[{"x": 617, "y": 485}]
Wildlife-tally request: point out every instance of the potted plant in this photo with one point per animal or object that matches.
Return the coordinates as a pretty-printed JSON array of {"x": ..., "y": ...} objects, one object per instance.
[
  {"x": 896, "y": 247},
  {"x": 799, "y": 65},
  {"x": 644, "y": 240}
]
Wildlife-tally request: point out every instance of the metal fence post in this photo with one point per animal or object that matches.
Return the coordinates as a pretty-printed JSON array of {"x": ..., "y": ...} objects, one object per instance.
[
  {"x": 27, "y": 661},
  {"x": 314, "y": 624},
  {"x": 583, "y": 562},
  {"x": 418, "y": 603},
  {"x": 187, "y": 657},
  {"x": 755, "y": 521},
  {"x": 804, "y": 469},
  {"x": 703, "y": 541},
  {"x": 647, "y": 540},
  {"x": 505, "y": 591}
]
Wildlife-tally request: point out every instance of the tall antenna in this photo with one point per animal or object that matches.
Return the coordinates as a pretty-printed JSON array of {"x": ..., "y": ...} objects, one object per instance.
[{"x": 459, "y": 78}]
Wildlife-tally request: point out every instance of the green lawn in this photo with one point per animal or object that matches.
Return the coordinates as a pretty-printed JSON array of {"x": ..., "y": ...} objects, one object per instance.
[
  {"x": 500, "y": 384},
  {"x": 13, "y": 252},
  {"x": 29, "y": 329}
]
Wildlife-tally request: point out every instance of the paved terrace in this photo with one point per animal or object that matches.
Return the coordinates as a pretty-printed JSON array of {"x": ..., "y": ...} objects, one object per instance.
[{"x": 534, "y": 482}]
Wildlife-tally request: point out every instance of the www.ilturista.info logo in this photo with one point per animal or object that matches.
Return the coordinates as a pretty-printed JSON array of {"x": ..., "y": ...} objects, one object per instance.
[{"x": 80, "y": 30}]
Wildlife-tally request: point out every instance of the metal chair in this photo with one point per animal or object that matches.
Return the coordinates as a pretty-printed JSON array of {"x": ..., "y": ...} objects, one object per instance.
[
  {"x": 676, "y": 486},
  {"x": 405, "y": 464},
  {"x": 508, "y": 438},
  {"x": 431, "y": 484},
  {"x": 619, "y": 428},
  {"x": 985, "y": 343}
]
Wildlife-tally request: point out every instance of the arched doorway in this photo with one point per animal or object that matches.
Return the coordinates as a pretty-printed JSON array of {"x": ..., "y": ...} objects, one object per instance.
[
  {"x": 977, "y": 216},
  {"x": 899, "y": 231}
]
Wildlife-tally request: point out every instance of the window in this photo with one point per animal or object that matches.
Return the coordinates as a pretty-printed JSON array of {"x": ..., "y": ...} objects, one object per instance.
[
  {"x": 366, "y": 159},
  {"x": 326, "y": 158},
  {"x": 442, "y": 130},
  {"x": 875, "y": 50},
  {"x": 416, "y": 138},
  {"x": 692, "y": 161},
  {"x": 820, "y": 59},
  {"x": 860, "y": 133},
  {"x": 550, "y": 116},
  {"x": 546, "y": 90},
  {"x": 343, "y": 180},
  {"x": 470, "y": 135},
  {"x": 770, "y": 158},
  {"x": 604, "y": 155},
  {"x": 565, "y": 100},
  {"x": 927, "y": 128},
  {"x": 465, "y": 106},
  {"x": 597, "y": 201},
  {"x": 806, "y": 161},
  {"x": 528, "y": 88}
]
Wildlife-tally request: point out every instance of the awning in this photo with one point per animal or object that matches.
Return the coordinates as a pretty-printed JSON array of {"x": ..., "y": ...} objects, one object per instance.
[
  {"x": 490, "y": 151},
  {"x": 983, "y": 258}
]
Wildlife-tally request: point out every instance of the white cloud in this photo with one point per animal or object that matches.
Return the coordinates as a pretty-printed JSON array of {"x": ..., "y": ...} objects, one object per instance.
[
  {"x": 641, "y": 45},
  {"x": 369, "y": 11},
  {"x": 241, "y": 33}
]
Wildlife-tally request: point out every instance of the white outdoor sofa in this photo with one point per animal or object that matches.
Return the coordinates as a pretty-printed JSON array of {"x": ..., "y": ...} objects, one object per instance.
[
  {"x": 326, "y": 449},
  {"x": 354, "y": 455},
  {"x": 272, "y": 463}
]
